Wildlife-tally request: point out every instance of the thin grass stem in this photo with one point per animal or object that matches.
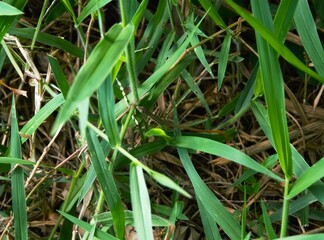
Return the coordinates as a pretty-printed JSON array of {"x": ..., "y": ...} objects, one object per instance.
[{"x": 285, "y": 210}]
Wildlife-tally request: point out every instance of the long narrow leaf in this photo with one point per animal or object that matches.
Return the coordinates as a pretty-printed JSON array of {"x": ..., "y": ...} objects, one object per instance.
[
  {"x": 222, "y": 150},
  {"x": 300, "y": 165},
  {"x": 17, "y": 181},
  {"x": 274, "y": 42},
  {"x": 38, "y": 119},
  {"x": 273, "y": 89},
  {"x": 92, "y": 6},
  {"x": 140, "y": 203},
  {"x": 8, "y": 10},
  {"x": 107, "y": 111},
  {"x": 48, "y": 40},
  {"x": 223, "y": 59},
  {"x": 59, "y": 75},
  {"x": 214, "y": 207},
  {"x": 95, "y": 71},
  {"x": 107, "y": 183},
  {"x": 310, "y": 176},
  {"x": 307, "y": 31},
  {"x": 88, "y": 227}
]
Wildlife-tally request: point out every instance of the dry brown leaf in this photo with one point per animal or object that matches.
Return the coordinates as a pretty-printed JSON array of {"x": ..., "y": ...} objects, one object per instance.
[{"x": 14, "y": 90}]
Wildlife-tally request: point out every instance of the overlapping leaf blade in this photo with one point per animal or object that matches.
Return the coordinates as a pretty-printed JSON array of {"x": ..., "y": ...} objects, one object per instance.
[
  {"x": 273, "y": 89},
  {"x": 96, "y": 70},
  {"x": 107, "y": 183}
]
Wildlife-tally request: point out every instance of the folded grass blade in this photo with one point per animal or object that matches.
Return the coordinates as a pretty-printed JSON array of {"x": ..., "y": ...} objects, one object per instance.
[
  {"x": 273, "y": 88},
  {"x": 107, "y": 111},
  {"x": 208, "y": 222}
]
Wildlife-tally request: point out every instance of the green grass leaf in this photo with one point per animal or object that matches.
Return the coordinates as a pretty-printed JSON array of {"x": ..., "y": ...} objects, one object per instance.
[
  {"x": 107, "y": 111},
  {"x": 222, "y": 150},
  {"x": 304, "y": 237},
  {"x": 274, "y": 42},
  {"x": 88, "y": 227},
  {"x": 39, "y": 118},
  {"x": 307, "y": 30},
  {"x": 47, "y": 39},
  {"x": 107, "y": 183},
  {"x": 273, "y": 88},
  {"x": 129, "y": 219},
  {"x": 309, "y": 177},
  {"x": 6, "y": 21},
  {"x": 99, "y": 65},
  {"x": 223, "y": 59},
  {"x": 299, "y": 163},
  {"x": 92, "y": 6},
  {"x": 140, "y": 203},
  {"x": 214, "y": 207},
  {"x": 212, "y": 12},
  {"x": 17, "y": 180},
  {"x": 8, "y": 10},
  {"x": 267, "y": 223},
  {"x": 59, "y": 75},
  {"x": 14, "y": 160}
]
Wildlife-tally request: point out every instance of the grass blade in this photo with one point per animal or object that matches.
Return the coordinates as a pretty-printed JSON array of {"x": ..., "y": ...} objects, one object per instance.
[
  {"x": 267, "y": 222},
  {"x": 59, "y": 75},
  {"x": 7, "y": 20},
  {"x": 140, "y": 203},
  {"x": 17, "y": 181},
  {"x": 307, "y": 31},
  {"x": 223, "y": 59},
  {"x": 212, "y": 12},
  {"x": 107, "y": 111},
  {"x": 273, "y": 87},
  {"x": 309, "y": 177},
  {"x": 107, "y": 183},
  {"x": 14, "y": 160},
  {"x": 208, "y": 221},
  {"x": 31, "y": 126},
  {"x": 222, "y": 150},
  {"x": 214, "y": 207},
  {"x": 274, "y": 42},
  {"x": 8, "y": 10},
  {"x": 47, "y": 39},
  {"x": 299, "y": 163},
  {"x": 88, "y": 227},
  {"x": 92, "y": 6},
  {"x": 96, "y": 70}
]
